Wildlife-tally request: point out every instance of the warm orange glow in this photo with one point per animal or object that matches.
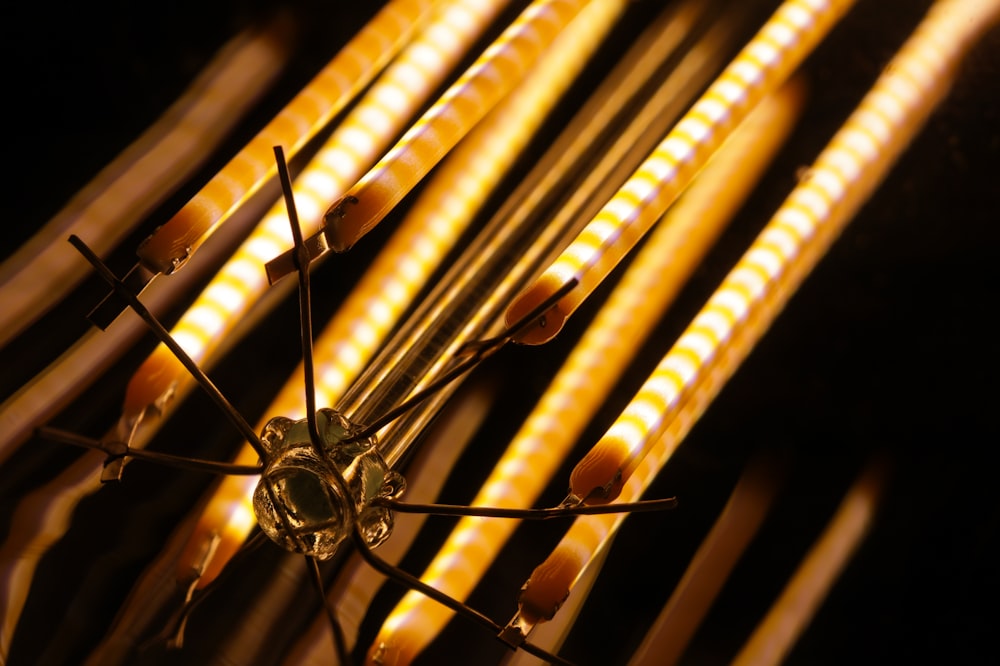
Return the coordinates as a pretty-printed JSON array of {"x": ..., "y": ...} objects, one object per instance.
[{"x": 763, "y": 65}]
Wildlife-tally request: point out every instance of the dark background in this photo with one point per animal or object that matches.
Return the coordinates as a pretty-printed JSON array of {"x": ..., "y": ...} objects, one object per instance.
[{"x": 887, "y": 350}]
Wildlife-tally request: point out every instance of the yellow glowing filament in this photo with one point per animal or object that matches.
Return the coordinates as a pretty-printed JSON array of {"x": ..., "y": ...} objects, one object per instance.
[
  {"x": 499, "y": 68},
  {"x": 350, "y": 150},
  {"x": 401, "y": 92},
  {"x": 346, "y": 75},
  {"x": 589, "y": 375},
  {"x": 399, "y": 272},
  {"x": 457, "y": 191},
  {"x": 777, "y": 49},
  {"x": 754, "y": 292},
  {"x": 853, "y": 164}
]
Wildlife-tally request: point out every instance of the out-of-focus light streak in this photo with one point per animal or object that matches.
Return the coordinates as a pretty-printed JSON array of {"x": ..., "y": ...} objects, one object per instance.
[
  {"x": 22, "y": 552},
  {"x": 46, "y": 268},
  {"x": 794, "y": 609},
  {"x": 761, "y": 67},
  {"x": 718, "y": 554}
]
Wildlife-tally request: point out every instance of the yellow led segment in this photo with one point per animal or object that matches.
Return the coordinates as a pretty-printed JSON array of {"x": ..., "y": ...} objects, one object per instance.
[
  {"x": 795, "y": 607},
  {"x": 589, "y": 374},
  {"x": 777, "y": 49},
  {"x": 346, "y": 75},
  {"x": 463, "y": 105},
  {"x": 785, "y": 252}
]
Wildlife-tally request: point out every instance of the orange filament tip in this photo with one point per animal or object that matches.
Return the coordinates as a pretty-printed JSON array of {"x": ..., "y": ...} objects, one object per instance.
[
  {"x": 549, "y": 325},
  {"x": 597, "y": 478},
  {"x": 548, "y": 587}
]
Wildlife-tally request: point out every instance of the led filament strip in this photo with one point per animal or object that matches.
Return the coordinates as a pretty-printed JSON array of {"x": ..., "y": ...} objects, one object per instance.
[
  {"x": 403, "y": 267},
  {"x": 354, "y": 146},
  {"x": 590, "y": 374},
  {"x": 642, "y": 440},
  {"x": 335, "y": 86},
  {"x": 808, "y": 587},
  {"x": 725, "y": 331}
]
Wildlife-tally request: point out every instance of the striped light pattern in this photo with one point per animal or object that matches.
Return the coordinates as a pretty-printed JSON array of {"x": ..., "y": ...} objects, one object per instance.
[
  {"x": 337, "y": 84},
  {"x": 353, "y": 147},
  {"x": 402, "y": 268},
  {"x": 640, "y": 442},
  {"x": 770, "y": 57},
  {"x": 463, "y": 105},
  {"x": 401, "y": 92},
  {"x": 590, "y": 373}
]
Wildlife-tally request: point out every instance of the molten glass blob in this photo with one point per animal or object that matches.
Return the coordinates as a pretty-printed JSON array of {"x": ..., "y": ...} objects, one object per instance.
[{"x": 310, "y": 497}]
